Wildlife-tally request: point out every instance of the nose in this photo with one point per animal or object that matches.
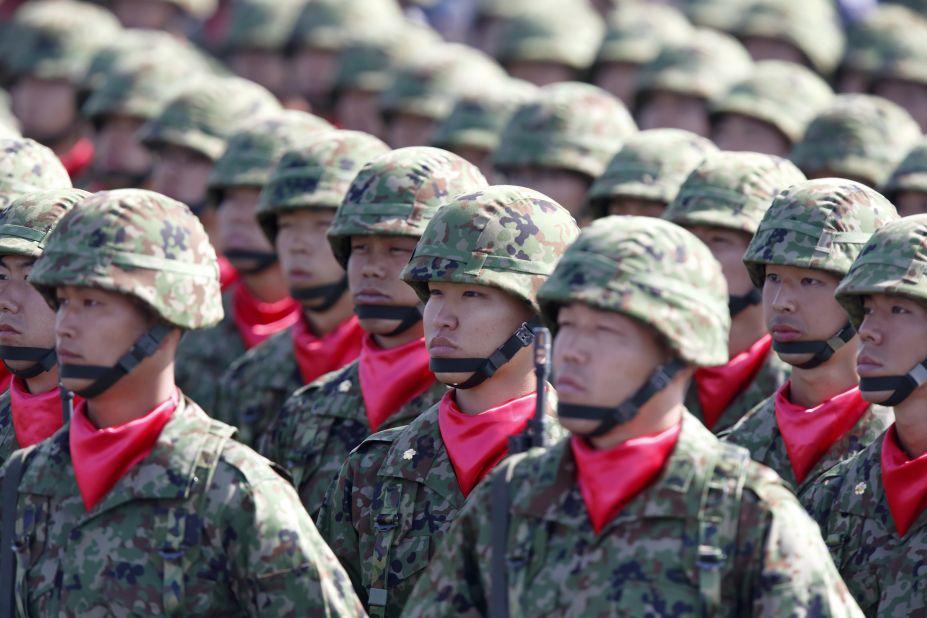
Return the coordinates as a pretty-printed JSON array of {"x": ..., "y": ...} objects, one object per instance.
[
  {"x": 65, "y": 323},
  {"x": 9, "y": 297},
  {"x": 569, "y": 350},
  {"x": 442, "y": 315},
  {"x": 782, "y": 299},
  {"x": 869, "y": 331}
]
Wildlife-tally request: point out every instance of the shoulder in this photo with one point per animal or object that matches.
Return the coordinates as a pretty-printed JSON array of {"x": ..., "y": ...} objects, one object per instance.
[
  {"x": 263, "y": 358},
  {"x": 342, "y": 382},
  {"x": 757, "y": 424}
]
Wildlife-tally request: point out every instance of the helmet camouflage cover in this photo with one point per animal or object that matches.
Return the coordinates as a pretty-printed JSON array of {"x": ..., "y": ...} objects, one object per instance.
[
  {"x": 26, "y": 223},
  {"x": 636, "y": 32},
  {"x": 566, "y": 32},
  {"x": 27, "y": 166},
  {"x": 260, "y": 24},
  {"x": 911, "y": 173}
]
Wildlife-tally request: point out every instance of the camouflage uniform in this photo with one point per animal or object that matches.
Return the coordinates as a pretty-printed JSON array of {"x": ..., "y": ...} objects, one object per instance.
[
  {"x": 317, "y": 176},
  {"x": 404, "y": 476},
  {"x": 395, "y": 195},
  {"x": 820, "y": 225},
  {"x": 681, "y": 546},
  {"x": 27, "y": 166}
]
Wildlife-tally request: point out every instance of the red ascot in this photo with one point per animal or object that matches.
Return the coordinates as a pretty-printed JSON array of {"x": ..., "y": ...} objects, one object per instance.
[
  {"x": 78, "y": 158},
  {"x": 905, "y": 482},
  {"x": 316, "y": 356},
  {"x": 227, "y": 273},
  {"x": 609, "y": 479},
  {"x": 35, "y": 417},
  {"x": 256, "y": 321},
  {"x": 391, "y": 378},
  {"x": 717, "y": 387},
  {"x": 103, "y": 456},
  {"x": 476, "y": 443},
  {"x": 809, "y": 432},
  {"x": 6, "y": 378}
]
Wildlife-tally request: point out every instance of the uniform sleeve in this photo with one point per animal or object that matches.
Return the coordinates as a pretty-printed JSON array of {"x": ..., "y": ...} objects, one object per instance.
[{"x": 274, "y": 443}]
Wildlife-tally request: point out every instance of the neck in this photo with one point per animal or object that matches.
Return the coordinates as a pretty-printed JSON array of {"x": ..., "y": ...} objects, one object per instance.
[
  {"x": 268, "y": 286},
  {"x": 325, "y": 322},
  {"x": 812, "y": 387},
  {"x": 495, "y": 391},
  {"x": 132, "y": 397},
  {"x": 746, "y": 329},
  {"x": 408, "y": 336},
  {"x": 44, "y": 382},
  {"x": 910, "y": 425}
]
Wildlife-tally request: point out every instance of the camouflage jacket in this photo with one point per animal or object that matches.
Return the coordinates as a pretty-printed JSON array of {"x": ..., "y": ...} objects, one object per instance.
[
  {"x": 884, "y": 572},
  {"x": 758, "y": 432},
  {"x": 769, "y": 378},
  {"x": 655, "y": 558},
  {"x": 393, "y": 499},
  {"x": 321, "y": 424},
  {"x": 204, "y": 355},
  {"x": 255, "y": 386},
  {"x": 8, "y": 442},
  {"x": 202, "y": 526}
]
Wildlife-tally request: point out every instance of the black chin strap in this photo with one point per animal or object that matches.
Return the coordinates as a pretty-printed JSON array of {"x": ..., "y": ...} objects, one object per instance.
[
  {"x": 736, "y": 304},
  {"x": 105, "y": 377},
  {"x": 822, "y": 350},
  {"x": 43, "y": 359},
  {"x": 485, "y": 368},
  {"x": 329, "y": 294},
  {"x": 902, "y": 386},
  {"x": 407, "y": 316},
  {"x": 262, "y": 260},
  {"x": 627, "y": 410}
]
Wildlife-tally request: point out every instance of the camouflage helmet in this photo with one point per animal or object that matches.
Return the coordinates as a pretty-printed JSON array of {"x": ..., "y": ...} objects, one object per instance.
[
  {"x": 139, "y": 90},
  {"x": 872, "y": 33},
  {"x": 782, "y": 94},
  {"x": 911, "y": 173},
  {"x": 141, "y": 244},
  {"x": 205, "y": 113},
  {"x": 9, "y": 125},
  {"x": 199, "y": 9},
  {"x": 398, "y": 193},
  {"x": 636, "y": 32},
  {"x": 333, "y": 24},
  {"x": 259, "y": 24},
  {"x": 817, "y": 224},
  {"x": 732, "y": 190},
  {"x": 903, "y": 55},
  {"x": 572, "y": 126},
  {"x": 503, "y": 236},
  {"x": 652, "y": 271},
  {"x": 252, "y": 153},
  {"x": 704, "y": 66},
  {"x": 27, "y": 166},
  {"x": 315, "y": 175},
  {"x": 56, "y": 39},
  {"x": 26, "y": 223},
  {"x": 859, "y": 136},
  {"x": 651, "y": 165}
]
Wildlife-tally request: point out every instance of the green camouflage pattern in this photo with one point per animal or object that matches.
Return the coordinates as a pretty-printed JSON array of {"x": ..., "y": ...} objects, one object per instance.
[
  {"x": 249, "y": 548},
  {"x": 911, "y": 173},
  {"x": 141, "y": 244},
  {"x": 321, "y": 424},
  {"x": 259, "y": 25},
  {"x": 26, "y": 223},
  {"x": 732, "y": 190},
  {"x": 398, "y": 193},
  {"x": 571, "y": 126},
  {"x": 651, "y": 165},
  {"x": 903, "y": 54},
  {"x": 652, "y": 271},
  {"x": 503, "y": 237},
  {"x": 368, "y": 64},
  {"x": 637, "y": 32},
  {"x": 333, "y": 24},
  {"x": 758, "y": 432},
  {"x": 8, "y": 442},
  {"x": 564, "y": 32},
  {"x": 317, "y": 175},
  {"x": 644, "y": 561},
  {"x": 880, "y": 568},
  {"x": 860, "y": 136},
  {"x": 205, "y": 114},
  {"x": 782, "y": 94},
  {"x": 139, "y": 89},
  {"x": 893, "y": 262},
  {"x": 817, "y": 224},
  {"x": 704, "y": 66},
  {"x": 9, "y": 125},
  {"x": 872, "y": 33},
  {"x": 412, "y": 465},
  {"x": 27, "y": 166},
  {"x": 200, "y": 9}
]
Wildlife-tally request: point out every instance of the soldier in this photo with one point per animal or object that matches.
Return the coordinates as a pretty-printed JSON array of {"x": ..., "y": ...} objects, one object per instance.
[
  {"x": 142, "y": 503},
  {"x": 27, "y": 166},
  {"x": 867, "y": 37},
  {"x": 769, "y": 110},
  {"x": 296, "y": 209},
  {"x": 901, "y": 76},
  {"x": 646, "y": 174},
  {"x": 859, "y": 137},
  {"x": 907, "y": 186},
  {"x": 181, "y": 18},
  {"x": 477, "y": 267},
  {"x": 559, "y": 143},
  {"x": 871, "y": 507},
  {"x": 258, "y": 305},
  {"x": 803, "y": 247},
  {"x": 30, "y": 410},
  {"x": 373, "y": 235},
  {"x": 642, "y": 512}
]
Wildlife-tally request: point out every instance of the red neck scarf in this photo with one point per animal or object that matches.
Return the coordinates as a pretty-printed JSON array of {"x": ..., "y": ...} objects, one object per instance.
[
  {"x": 6, "y": 378},
  {"x": 476, "y": 443},
  {"x": 717, "y": 387},
  {"x": 102, "y": 456},
  {"x": 227, "y": 273},
  {"x": 256, "y": 320},
  {"x": 316, "y": 356},
  {"x": 808, "y": 433},
  {"x": 609, "y": 479},
  {"x": 78, "y": 158},
  {"x": 905, "y": 482},
  {"x": 392, "y": 378},
  {"x": 35, "y": 417}
]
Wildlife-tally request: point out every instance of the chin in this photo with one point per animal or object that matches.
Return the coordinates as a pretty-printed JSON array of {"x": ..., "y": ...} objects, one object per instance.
[
  {"x": 875, "y": 397},
  {"x": 578, "y": 426},
  {"x": 450, "y": 379}
]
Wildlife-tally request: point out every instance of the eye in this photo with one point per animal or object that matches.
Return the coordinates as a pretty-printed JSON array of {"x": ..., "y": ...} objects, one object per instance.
[
  {"x": 899, "y": 310},
  {"x": 358, "y": 246},
  {"x": 434, "y": 293},
  {"x": 473, "y": 294},
  {"x": 400, "y": 251},
  {"x": 91, "y": 302},
  {"x": 772, "y": 277},
  {"x": 810, "y": 281}
]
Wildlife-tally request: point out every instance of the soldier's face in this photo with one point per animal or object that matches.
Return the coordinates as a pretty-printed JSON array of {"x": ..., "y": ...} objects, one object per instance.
[
  {"x": 237, "y": 223},
  {"x": 742, "y": 133},
  {"x": 766, "y": 48},
  {"x": 471, "y": 321},
  {"x": 893, "y": 340},
  {"x": 409, "y": 130},
  {"x": 182, "y": 174},
  {"x": 799, "y": 305},
  {"x": 565, "y": 187},
  {"x": 618, "y": 78},
  {"x": 26, "y": 320},
  {"x": 728, "y": 247},
  {"x": 910, "y": 95},
  {"x": 635, "y": 207},
  {"x": 911, "y": 203},
  {"x": 314, "y": 73},
  {"x": 674, "y": 111},
  {"x": 145, "y": 14},
  {"x": 540, "y": 73},
  {"x": 373, "y": 277},
  {"x": 264, "y": 67},
  {"x": 305, "y": 256},
  {"x": 359, "y": 111},
  {"x": 118, "y": 151},
  {"x": 46, "y": 108}
]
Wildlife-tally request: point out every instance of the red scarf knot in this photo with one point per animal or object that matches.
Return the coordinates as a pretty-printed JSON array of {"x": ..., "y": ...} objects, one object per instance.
[{"x": 391, "y": 378}]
